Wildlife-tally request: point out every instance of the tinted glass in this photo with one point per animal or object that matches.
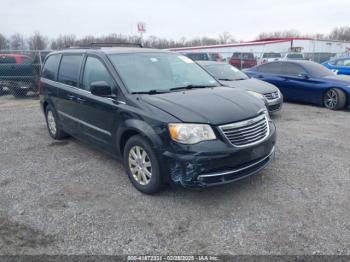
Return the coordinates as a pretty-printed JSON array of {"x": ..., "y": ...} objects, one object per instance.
[
  {"x": 198, "y": 56},
  {"x": 243, "y": 56},
  {"x": 69, "y": 69},
  {"x": 95, "y": 71},
  {"x": 225, "y": 72},
  {"x": 51, "y": 67},
  {"x": 26, "y": 61},
  {"x": 317, "y": 70},
  {"x": 345, "y": 62},
  {"x": 295, "y": 56},
  {"x": 271, "y": 68},
  {"x": 7, "y": 60},
  {"x": 271, "y": 55},
  {"x": 293, "y": 69},
  {"x": 142, "y": 72}
]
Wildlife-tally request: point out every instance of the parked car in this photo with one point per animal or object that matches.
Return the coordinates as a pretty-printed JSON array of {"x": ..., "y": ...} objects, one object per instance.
[
  {"x": 204, "y": 56},
  {"x": 165, "y": 116},
  {"x": 243, "y": 60},
  {"x": 293, "y": 56},
  {"x": 269, "y": 57},
  {"x": 17, "y": 74},
  {"x": 340, "y": 66},
  {"x": 228, "y": 75},
  {"x": 306, "y": 81}
]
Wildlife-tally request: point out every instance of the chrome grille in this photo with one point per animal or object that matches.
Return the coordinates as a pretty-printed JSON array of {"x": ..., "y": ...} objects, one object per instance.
[
  {"x": 272, "y": 96},
  {"x": 248, "y": 132}
]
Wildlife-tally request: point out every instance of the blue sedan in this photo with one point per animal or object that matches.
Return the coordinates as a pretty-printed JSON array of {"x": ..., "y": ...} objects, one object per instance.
[
  {"x": 306, "y": 81},
  {"x": 340, "y": 66}
]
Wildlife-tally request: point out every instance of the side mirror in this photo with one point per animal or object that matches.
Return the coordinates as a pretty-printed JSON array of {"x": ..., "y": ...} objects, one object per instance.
[
  {"x": 101, "y": 88},
  {"x": 304, "y": 75}
]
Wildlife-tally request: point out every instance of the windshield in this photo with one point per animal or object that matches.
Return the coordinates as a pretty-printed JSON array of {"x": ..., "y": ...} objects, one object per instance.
[
  {"x": 271, "y": 55},
  {"x": 317, "y": 70},
  {"x": 225, "y": 72},
  {"x": 295, "y": 56},
  {"x": 144, "y": 72},
  {"x": 243, "y": 56}
]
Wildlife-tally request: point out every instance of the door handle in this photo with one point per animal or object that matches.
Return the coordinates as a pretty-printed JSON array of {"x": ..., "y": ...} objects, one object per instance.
[
  {"x": 81, "y": 100},
  {"x": 70, "y": 97}
]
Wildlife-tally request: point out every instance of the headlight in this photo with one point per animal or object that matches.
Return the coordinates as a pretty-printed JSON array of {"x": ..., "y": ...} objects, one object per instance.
[
  {"x": 267, "y": 114},
  {"x": 190, "y": 133},
  {"x": 257, "y": 95},
  {"x": 260, "y": 96}
]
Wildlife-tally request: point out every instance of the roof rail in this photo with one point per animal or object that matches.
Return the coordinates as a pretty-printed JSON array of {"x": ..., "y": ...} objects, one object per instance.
[
  {"x": 112, "y": 44},
  {"x": 117, "y": 44}
]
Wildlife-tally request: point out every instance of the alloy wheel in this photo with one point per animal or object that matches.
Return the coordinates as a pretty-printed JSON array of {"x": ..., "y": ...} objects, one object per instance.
[
  {"x": 331, "y": 99},
  {"x": 140, "y": 165},
  {"x": 51, "y": 122}
]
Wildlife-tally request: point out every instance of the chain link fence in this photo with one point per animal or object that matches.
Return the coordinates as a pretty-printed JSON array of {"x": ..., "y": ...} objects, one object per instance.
[
  {"x": 244, "y": 59},
  {"x": 20, "y": 72}
]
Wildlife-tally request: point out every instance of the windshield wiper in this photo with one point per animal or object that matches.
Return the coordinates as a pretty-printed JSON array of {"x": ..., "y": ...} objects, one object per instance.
[
  {"x": 151, "y": 92},
  {"x": 226, "y": 79},
  {"x": 191, "y": 87},
  {"x": 231, "y": 79}
]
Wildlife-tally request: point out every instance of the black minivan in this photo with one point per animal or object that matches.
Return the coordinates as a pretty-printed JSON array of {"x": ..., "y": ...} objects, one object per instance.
[{"x": 165, "y": 116}]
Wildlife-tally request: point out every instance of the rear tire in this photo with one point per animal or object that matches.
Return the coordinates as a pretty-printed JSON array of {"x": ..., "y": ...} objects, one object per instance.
[
  {"x": 334, "y": 99},
  {"x": 141, "y": 165},
  {"x": 51, "y": 121}
]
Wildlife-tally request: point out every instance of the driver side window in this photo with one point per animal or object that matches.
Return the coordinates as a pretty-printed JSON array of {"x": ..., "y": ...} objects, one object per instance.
[{"x": 95, "y": 71}]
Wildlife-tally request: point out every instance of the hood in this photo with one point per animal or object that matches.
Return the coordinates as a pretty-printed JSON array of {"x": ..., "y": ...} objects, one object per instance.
[
  {"x": 215, "y": 106},
  {"x": 342, "y": 79},
  {"x": 252, "y": 84}
]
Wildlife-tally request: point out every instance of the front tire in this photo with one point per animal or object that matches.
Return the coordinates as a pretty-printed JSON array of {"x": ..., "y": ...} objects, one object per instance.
[
  {"x": 334, "y": 99},
  {"x": 141, "y": 164},
  {"x": 51, "y": 121}
]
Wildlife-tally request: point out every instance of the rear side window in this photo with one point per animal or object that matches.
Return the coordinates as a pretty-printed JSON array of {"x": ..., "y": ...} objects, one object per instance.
[
  {"x": 69, "y": 69},
  {"x": 271, "y": 68},
  {"x": 293, "y": 69},
  {"x": 51, "y": 67},
  {"x": 7, "y": 60}
]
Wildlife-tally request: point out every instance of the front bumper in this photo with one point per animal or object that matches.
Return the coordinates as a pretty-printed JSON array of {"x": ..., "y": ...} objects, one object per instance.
[
  {"x": 275, "y": 104},
  {"x": 213, "y": 163}
]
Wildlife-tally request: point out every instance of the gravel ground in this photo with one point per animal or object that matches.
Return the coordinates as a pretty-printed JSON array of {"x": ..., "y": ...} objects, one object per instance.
[{"x": 68, "y": 198}]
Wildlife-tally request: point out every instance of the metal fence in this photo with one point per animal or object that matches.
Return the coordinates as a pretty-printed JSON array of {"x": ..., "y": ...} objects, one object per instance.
[
  {"x": 244, "y": 59},
  {"x": 20, "y": 72}
]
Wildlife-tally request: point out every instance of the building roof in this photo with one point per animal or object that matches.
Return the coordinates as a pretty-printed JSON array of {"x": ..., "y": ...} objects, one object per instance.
[{"x": 252, "y": 43}]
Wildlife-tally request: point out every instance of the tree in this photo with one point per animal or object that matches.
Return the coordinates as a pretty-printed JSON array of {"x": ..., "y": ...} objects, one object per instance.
[
  {"x": 340, "y": 33},
  {"x": 17, "y": 42},
  {"x": 37, "y": 41},
  {"x": 278, "y": 34},
  {"x": 63, "y": 41},
  {"x": 3, "y": 42},
  {"x": 226, "y": 38}
]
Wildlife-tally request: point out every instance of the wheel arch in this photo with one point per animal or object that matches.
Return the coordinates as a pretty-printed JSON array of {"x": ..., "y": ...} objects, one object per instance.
[{"x": 136, "y": 127}]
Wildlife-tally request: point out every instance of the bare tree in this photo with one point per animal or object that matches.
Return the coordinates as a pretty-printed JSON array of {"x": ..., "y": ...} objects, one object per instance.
[
  {"x": 63, "y": 41},
  {"x": 3, "y": 42},
  {"x": 17, "y": 42},
  {"x": 37, "y": 41},
  {"x": 279, "y": 34},
  {"x": 226, "y": 38},
  {"x": 340, "y": 33}
]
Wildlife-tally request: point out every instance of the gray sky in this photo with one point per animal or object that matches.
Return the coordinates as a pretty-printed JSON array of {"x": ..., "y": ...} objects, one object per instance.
[{"x": 244, "y": 19}]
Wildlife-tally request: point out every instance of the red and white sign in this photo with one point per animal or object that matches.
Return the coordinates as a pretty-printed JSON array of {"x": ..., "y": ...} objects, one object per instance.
[{"x": 141, "y": 27}]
